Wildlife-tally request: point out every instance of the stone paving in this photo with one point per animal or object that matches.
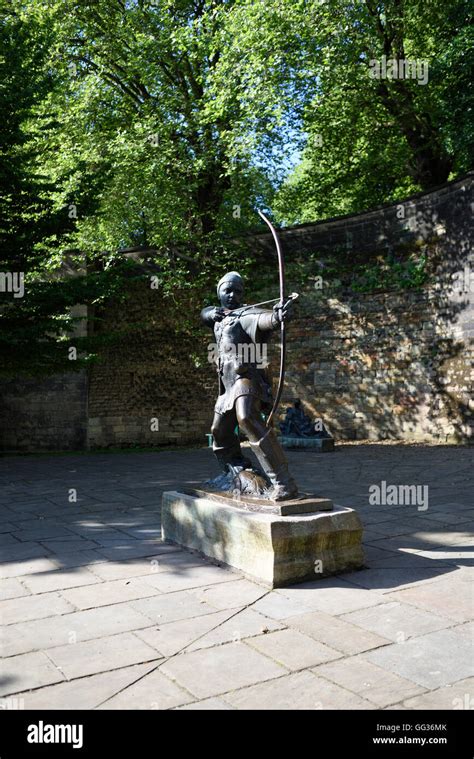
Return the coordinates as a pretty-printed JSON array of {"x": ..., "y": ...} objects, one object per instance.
[{"x": 98, "y": 613}]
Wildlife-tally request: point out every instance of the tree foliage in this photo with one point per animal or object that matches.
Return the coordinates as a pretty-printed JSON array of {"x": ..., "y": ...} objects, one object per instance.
[
  {"x": 372, "y": 140},
  {"x": 162, "y": 125}
]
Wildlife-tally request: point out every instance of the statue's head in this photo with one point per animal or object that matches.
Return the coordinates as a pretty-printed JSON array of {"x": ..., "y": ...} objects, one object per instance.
[{"x": 230, "y": 290}]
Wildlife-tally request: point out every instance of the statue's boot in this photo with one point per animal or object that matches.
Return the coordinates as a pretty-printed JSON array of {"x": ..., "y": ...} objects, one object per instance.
[
  {"x": 231, "y": 454},
  {"x": 273, "y": 461}
]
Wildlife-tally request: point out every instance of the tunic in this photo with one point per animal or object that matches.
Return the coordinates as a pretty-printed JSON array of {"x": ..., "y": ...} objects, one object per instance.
[{"x": 241, "y": 345}]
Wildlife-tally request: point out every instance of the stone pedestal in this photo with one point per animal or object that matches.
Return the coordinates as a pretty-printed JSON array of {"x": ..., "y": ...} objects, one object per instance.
[{"x": 274, "y": 549}]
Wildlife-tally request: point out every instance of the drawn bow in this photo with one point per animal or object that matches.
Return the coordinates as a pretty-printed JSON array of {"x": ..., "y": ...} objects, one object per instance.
[{"x": 281, "y": 272}]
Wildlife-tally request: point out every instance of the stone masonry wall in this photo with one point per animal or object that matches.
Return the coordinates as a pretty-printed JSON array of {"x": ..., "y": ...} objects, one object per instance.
[
  {"x": 155, "y": 386},
  {"x": 44, "y": 414},
  {"x": 384, "y": 366},
  {"x": 398, "y": 364}
]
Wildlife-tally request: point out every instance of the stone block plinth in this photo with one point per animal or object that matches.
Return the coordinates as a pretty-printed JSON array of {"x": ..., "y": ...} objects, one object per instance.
[{"x": 273, "y": 549}]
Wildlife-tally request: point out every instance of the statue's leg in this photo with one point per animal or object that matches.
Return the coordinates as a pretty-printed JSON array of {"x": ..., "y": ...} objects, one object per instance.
[
  {"x": 266, "y": 447},
  {"x": 226, "y": 444}
]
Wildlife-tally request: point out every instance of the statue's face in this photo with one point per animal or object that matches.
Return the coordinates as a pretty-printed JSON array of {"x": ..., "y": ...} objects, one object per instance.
[{"x": 231, "y": 294}]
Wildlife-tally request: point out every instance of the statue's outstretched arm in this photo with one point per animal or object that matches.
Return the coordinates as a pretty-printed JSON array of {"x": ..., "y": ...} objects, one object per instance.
[{"x": 212, "y": 314}]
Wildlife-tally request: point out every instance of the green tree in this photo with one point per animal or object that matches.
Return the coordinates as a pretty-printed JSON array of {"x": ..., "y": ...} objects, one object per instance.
[
  {"x": 118, "y": 139},
  {"x": 36, "y": 225},
  {"x": 26, "y": 210},
  {"x": 142, "y": 107},
  {"x": 366, "y": 140}
]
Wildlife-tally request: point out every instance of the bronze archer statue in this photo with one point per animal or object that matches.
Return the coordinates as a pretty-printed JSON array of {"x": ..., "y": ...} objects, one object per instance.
[{"x": 241, "y": 334}]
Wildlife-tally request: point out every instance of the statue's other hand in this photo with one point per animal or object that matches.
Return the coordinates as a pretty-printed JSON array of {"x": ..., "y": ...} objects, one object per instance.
[
  {"x": 217, "y": 314},
  {"x": 283, "y": 313}
]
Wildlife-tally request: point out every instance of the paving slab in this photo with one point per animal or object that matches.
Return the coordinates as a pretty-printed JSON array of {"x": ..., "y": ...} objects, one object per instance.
[
  {"x": 136, "y": 549},
  {"x": 85, "y": 692},
  {"x": 59, "y": 579},
  {"x": 32, "y": 522},
  {"x": 457, "y": 555},
  {"x": 172, "y": 637},
  {"x": 367, "y": 680},
  {"x": 403, "y": 526},
  {"x": 108, "y": 593},
  {"x": 407, "y": 560},
  {"x": 115, "y": 542},
  {"x": 207, "y": 704},
  {"x": 97, "y": 533},
  {"x": 153, "y": 691},
  {"x": 169, "y": 607},
  {"x": 22, "y": 507},
  {"x": 422, "y": 541},
  {"x": 70, "y": 545},
  {"x": 121, "y": 519},
  {"x": 244, "y": 624},
  {"x": 276, "y": 606},
  {"x": 337, "y": 632},
  {"x": 191, "y": 577},
  {"x": 451, "y": 596},
  {"x": 28, "y": 671},
  {"x": 33, "y": 607},
  {"x": 7, "y": 527},
  {"x": 101, "y": 655},
  {"x": 27, "y": 567},
  {"x": 21, "y": 551},
  {"x": 229, "y": 595},
  {"x": 300, "y": 690},
  {"x": 466, "y": 629},
  {"x": 143, "y": 532},
  {"x": 397, "y": 621},
  {"x": 67, "y": 559},
  {"x": 431, "y": 660},
  {"x": 12, "y": 588},
  {"x": 390, "y": 579},
  {"x": 459, "y": 696},
  {"x": 7, "y": 539},
  {"x": 449, "y": 518},
  {"x": 226, "y": 668},
  {"x": 43, "y": 634},
  {"x": 292, "y": 649},
  {"x": 117, "y": 570},
  {"x": 334, "y": 596},
  {"x": 42, "y": 530}
]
